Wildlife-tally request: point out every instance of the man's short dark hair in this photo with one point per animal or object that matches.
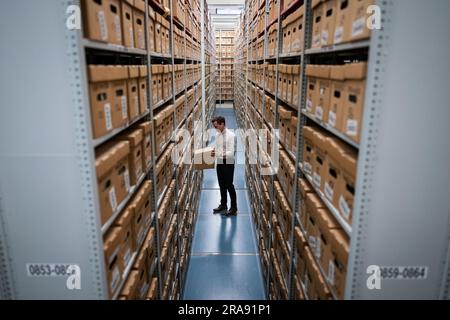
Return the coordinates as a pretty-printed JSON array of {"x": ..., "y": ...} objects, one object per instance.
[{"x": 219, "y": 120}]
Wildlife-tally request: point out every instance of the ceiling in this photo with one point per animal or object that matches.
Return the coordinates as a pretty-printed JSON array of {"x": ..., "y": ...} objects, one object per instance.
[{"x": 225, "y": 13}]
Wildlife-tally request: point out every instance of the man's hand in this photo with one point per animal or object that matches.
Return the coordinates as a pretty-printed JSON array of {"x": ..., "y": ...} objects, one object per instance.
[{"x": 213, "y": 153}]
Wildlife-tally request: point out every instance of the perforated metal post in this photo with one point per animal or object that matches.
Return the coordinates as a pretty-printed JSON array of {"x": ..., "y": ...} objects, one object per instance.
[
  {"x": 307, "y": 22},
  {"x": 152, "y": 174},
  {"x": 6, "y": 285}
]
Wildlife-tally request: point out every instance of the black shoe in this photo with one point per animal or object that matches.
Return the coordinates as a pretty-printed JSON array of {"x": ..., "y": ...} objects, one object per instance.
[
  {"x": 232, "y": 212},
  {"x": 220, "y": 209}
]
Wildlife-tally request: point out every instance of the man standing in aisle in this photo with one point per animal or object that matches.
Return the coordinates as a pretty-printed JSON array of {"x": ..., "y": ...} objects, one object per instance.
[{"x": 224, "y": 152}]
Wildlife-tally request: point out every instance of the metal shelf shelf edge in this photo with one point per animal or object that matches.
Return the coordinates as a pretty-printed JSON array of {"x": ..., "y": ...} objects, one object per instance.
[
  {"x": 335, "y": 132},
  {"x": 99, "y": 141},
  {"x": 339, "y": 47}
]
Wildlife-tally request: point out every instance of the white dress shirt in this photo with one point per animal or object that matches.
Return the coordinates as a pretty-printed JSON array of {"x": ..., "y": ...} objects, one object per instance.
[{"x": 225, "y": 146}]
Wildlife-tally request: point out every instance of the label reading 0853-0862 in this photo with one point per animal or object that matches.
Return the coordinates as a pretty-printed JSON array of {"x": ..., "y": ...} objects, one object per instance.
[{"x": 47, "y": 270}]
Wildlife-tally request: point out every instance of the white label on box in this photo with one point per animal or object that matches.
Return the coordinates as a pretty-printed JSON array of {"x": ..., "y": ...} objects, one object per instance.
[
  {"x": 343, "y": 206},
  {"x": 123, "y": 103},
  {"x": 358, "y": 26},
  {"x": 325, "y": 37},
  {"x": 339, "y": 34},
  {"x": 112, "y": 199},
  {"x": 127, "y": 257},
  {"x": 131, "y": 35},
  {"x": 115, "y": 279},
  {"x": 307, "y": 167},
  {"x": 331, "y": 272},
  {"x": 332, "y": 119},
  {"x": 316, "y": 179},
  {"x": 309, "y": 105},
  {"x": 108, "y": 118},
  {"x": 352, "y": 127},
  {"x": 141, "y": 43},
  {"x": 126, "y": 178},
  {"x": 319, "y": 113},
  {"x": 102, "y": 23},
  {"x": 118, "y": 29},
  {"x": 329, "y": 191}
]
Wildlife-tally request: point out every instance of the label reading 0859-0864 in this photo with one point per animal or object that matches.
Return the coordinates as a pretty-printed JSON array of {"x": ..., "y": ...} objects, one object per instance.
[{"x": 404, "y": 273}]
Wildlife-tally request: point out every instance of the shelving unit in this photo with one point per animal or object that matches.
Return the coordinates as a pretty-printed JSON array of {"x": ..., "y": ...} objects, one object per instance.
[
  {"x": 69, "y": 226},
  {"x": 373, "y": 213},
  {"x": 52, "y": 207}
]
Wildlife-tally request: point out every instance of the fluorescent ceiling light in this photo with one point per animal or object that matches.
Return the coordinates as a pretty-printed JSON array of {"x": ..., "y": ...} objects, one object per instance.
[{"x": 229, "y": 11}]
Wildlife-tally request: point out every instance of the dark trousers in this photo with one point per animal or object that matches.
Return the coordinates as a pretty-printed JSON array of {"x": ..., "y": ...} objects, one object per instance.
[{"x": 225, "y": 173}]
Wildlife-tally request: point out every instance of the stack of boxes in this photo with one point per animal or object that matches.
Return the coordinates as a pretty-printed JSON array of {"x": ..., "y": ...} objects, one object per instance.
[
  {"x": 166, "y": 211},
  {"x": 336, "y": 96},
  {"x": 122, "y": 22},
  {"x": 225, "y": 59},
  {"x": 273, "y": 40},
  {"x": 140, "y": 284},
  {"x": 161, "y": 83},
  {"x": 288, "y": 84},
  {"x": 270, "y": 110},
  {"x": 118, "y": 99},
  {"x": 125, "y": 238},
  {"x": 179, "y": 110},
  {"x": 164, "y": 124},
  {"x": 278, "y": 286},
  {"x": 273, "y": 10},
  {"x": 339, "y": 21},
  {"x": 288, "y": 129},
  {"x": 179, "y": 50},
  {"x": 168, "y": 251},
  {"x": 293, "y": 32},
  {"x": 119, "y": 22},
  {"x": 283, "y": 211},
  {"x": 117, "y": 96},
  {"x": 332, "y": 165},
  {"x": 271, "y": 81},
  {"x": 281, "y": 252},
  {"x": 327, "y": 243},
  {"x": 286, "y": 175},
  {"x": 179, "y": 77},
  {"x": 147, "y": 129},
  {"x": 335, "y": 99},
  {"x": 112, "y": 168},
  {"x": 163, "y": 171}
]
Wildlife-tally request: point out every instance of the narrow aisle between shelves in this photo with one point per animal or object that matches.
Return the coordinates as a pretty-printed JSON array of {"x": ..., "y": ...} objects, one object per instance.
[{"x": 225, "y": 260}]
